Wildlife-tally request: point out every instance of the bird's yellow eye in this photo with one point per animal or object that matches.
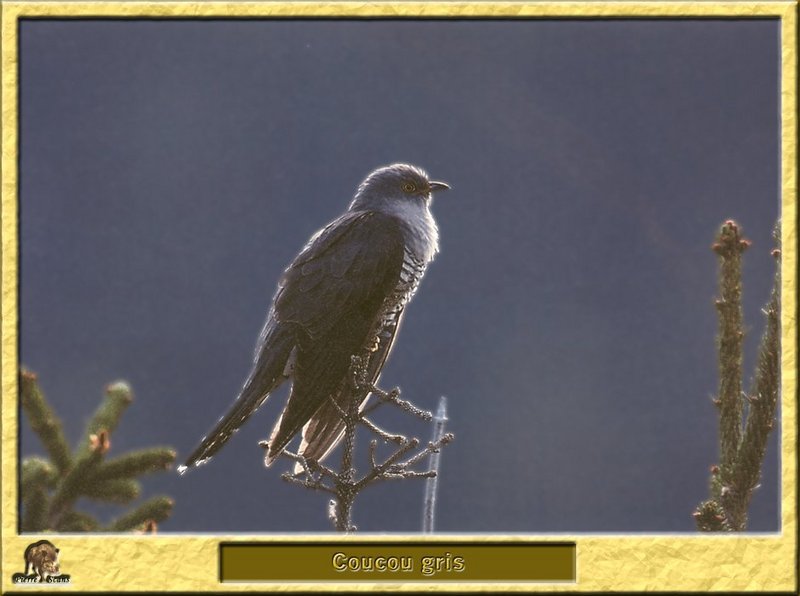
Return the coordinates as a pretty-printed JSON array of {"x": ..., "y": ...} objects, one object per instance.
[{"x": 409, "y": 187}]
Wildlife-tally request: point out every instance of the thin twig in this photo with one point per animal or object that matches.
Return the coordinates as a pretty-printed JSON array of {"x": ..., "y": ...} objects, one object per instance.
[
  {"x": 389, "y": 438},
  {"x": 393, "y": 397},
  {"x": 375, "y": 473}
]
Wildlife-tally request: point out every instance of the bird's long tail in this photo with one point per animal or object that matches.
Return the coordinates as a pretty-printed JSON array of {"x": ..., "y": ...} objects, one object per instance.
[{"x": 267, "y": 374}]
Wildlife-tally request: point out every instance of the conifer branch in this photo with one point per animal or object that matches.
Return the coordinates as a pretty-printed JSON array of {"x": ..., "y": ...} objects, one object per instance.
[
  {"x": 74, "y": 521},
  {"x": 115, "y": 490},
  {"x": 729, "y": 246},
  {"x": 38, "y": 472},
  {"x": 742, "y": 445},
  {"x": 43, "y": 420},
  {"x": 156, "y": 510},
  {"x": 38, "y": 478},
  {"x": 49, "y": 491},
  {"x": 69, "y": 489},
  {"x": 136, "y": 463},
  {"x": 118, "y": 396}
]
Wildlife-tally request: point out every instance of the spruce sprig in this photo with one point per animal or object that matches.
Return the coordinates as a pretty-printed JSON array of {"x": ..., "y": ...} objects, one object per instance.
[
  {"x": 746, "y": 420},
  {"x": 50, "y": 489}
]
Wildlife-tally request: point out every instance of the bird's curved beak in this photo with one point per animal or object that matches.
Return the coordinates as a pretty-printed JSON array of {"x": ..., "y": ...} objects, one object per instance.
[{"x": 439, "y": 186}]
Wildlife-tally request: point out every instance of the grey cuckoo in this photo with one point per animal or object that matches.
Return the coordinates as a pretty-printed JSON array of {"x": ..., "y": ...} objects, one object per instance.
[{"x": 343, "y": 295}]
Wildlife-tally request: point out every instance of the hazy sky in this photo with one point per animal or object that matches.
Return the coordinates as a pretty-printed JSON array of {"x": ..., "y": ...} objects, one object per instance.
[{"x": 170, "y": 170}]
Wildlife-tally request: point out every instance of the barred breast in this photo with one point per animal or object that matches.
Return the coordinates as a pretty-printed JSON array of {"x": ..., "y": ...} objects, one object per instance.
[{"x": 410, "y": 275}]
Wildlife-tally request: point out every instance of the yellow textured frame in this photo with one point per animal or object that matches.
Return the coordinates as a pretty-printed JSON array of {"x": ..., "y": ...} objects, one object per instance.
[{"x": 113, "y": 563}]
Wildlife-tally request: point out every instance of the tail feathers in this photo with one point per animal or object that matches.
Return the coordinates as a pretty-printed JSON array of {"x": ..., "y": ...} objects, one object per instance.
[
  {"x": 267, "y": 374},
  {"x": 324, "y": 431},
  {"x": 273, "y": 453}
]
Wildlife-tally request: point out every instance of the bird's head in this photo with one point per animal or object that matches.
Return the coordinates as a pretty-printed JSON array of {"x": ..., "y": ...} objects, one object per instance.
[{"x": 397, "y": 182}]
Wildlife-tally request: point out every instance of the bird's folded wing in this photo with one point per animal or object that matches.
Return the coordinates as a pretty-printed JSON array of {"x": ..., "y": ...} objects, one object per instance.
[
  {"x": 334, "y": 292},
  {"x": 326, "y": 427}
]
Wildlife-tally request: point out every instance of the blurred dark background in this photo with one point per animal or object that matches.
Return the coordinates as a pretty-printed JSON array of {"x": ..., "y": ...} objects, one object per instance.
[{"x": 170, "y": 170}]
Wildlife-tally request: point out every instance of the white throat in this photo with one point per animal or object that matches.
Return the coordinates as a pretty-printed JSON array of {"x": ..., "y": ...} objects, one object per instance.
[{"x": 422, "y": 234}]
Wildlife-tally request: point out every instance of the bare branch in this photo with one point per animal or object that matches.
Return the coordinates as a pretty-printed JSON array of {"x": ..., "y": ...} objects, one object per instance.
[
  {"x": 345, "y": 485},
  {"x": 393, "y": 397},
  {"x": 389, "y": 438}
]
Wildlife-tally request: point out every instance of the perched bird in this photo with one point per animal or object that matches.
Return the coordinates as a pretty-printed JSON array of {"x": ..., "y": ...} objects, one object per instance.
[{"x": 342, "y": 296}]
